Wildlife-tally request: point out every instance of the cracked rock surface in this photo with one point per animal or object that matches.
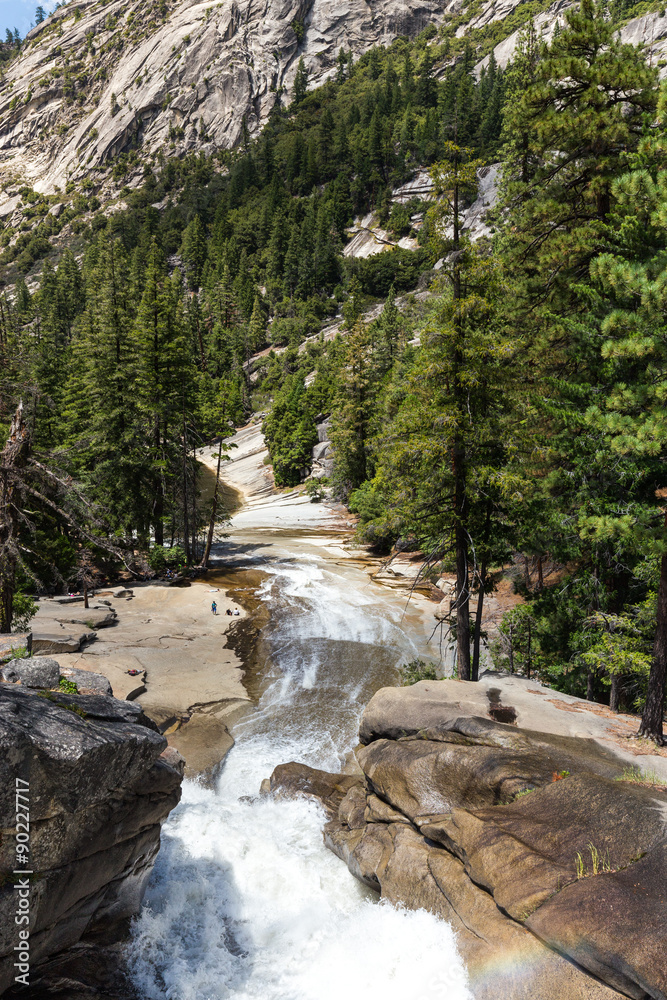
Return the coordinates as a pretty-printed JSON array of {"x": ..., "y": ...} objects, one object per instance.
[
  {"x": 95, "y": 76},
  {"x": 100, "y": 783},
  {"x": 550, "y": 869}
]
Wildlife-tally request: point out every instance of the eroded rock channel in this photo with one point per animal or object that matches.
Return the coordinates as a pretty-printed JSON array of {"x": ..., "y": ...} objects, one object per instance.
[{"x": 549, "y": 868}]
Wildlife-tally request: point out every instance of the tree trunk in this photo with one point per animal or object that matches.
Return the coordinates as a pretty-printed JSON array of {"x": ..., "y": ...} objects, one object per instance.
[
  {"x": 529, "y": 651},
  {"x": 478, "y": 624},
  {"x": 462, "y": 586},
  {"x": 511, "y": 653},
  {"x": 12, "y": 459},
  {"x": 214, "y": 509},
  {"x": 615, "y": 693},
  {"x": 85, "y": 596},
  {"x": 590, "y": 691},
  {"x": 158, "y": 506},
  {"x": 526, "y": 572},
  {"x": 540, "y": 577},
  {"x": 193, "y": 492},
  {"x": 651, "y": 724},
  {"x": 186, "y": 530}
]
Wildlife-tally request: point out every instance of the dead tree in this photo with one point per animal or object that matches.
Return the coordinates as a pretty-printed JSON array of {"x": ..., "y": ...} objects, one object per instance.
[{"x": 12, "y": 462}]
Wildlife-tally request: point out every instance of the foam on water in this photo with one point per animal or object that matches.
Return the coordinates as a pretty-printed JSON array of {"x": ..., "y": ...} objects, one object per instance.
[{"x": 245, "y": 902}]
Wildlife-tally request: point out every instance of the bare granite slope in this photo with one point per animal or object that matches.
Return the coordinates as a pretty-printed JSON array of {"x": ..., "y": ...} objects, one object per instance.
[{"x": 177, "y": 77}]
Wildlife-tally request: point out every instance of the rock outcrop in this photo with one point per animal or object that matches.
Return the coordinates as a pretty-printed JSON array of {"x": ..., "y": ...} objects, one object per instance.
[
  {"x": 95, "y": 80},
  {"x": 38, "y": 672},
  {"x": 95, "y": 77},
  {"x": 45, "y": 673},
  {"x": 98, "y": 780},
  {"x": 550, "y": 869}
]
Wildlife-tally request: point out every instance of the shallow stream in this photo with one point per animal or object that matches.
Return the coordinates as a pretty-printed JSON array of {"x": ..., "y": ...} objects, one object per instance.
[{"x": 245, "y": 902}]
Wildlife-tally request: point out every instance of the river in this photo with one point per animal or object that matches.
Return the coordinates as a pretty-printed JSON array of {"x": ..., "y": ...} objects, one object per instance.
[{"x": 245, "y": 902}]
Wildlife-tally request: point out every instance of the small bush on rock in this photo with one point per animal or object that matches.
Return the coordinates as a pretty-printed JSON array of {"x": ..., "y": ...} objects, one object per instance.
[{"x": 418, "y": 670}]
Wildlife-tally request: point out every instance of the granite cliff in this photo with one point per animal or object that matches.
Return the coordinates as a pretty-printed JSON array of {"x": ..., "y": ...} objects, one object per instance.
[
  {"x": 98, "y": 80},
  {"x": 172, "y": 77}
]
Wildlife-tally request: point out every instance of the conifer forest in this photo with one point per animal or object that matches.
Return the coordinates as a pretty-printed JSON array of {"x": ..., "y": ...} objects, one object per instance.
[{"x": 497, "y": 398}]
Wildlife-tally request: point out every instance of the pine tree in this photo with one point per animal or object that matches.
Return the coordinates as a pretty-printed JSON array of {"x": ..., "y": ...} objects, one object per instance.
[
  {"x": 633, "y": 416},
  {"x": 572, "y": 129},
  {"x": 193, "y": 251},
  {"x": 158, "y": 342},
  {"x": 341, "y": 65},
  {"x": 257, "y": 326},
  {"x": 300, "y": 82},
  {"x": 350, "y": 430},
  {"x": 426, "y": 93}
]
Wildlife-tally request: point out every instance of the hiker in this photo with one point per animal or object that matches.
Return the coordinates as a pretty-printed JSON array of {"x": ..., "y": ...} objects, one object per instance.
[
  {"x": 214, "y": 607},
  {"x": 228, "y": 611}
]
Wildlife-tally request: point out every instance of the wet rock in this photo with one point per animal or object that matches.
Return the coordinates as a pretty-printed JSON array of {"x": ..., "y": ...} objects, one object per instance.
[
  {"x": 486, "y": 825},
  {"x": 38, "y": 672},
  {"x": 98, "y": 791},
  {"x": 204, "y": 741},
  {"x": 293, "y": 780},
  {"x": 86, "y": 971}
]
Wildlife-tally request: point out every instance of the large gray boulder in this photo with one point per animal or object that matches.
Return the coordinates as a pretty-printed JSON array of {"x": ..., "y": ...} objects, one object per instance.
[
  {"x": 99, "y": 785},
  {"x": 37, "y": 672}
]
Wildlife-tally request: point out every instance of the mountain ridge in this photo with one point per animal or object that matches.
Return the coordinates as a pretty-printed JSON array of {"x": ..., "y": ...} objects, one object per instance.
[{"x": 91, "y": 80}]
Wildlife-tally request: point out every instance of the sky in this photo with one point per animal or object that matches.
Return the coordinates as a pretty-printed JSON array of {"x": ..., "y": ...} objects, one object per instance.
[{"x": 21, "y": 14}]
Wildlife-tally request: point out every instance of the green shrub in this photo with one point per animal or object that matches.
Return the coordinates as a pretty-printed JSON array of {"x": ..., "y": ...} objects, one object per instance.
[
  {"x": 24, "y": 611},
  {"x": 397, "y": 267},
  {"x": 315, "y": 488},
  {"x": 161, "y": 559},
  {"x": 418, "y": 670}
]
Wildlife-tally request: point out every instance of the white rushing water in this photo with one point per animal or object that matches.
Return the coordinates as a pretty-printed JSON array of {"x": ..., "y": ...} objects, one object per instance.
[{"x": 245, "y": 902}]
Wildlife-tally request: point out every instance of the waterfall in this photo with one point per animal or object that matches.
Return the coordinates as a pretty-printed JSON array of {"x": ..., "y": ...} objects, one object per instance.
[{"x": 245, "y": 901}]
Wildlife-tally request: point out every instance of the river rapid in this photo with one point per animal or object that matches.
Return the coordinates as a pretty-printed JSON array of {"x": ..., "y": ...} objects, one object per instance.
[{"x": 245, "y": 902}]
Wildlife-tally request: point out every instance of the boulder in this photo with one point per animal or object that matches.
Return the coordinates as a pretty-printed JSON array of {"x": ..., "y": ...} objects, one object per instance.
[
  {"x": 98, "y": 789},
  {"x": 542, "y": 835},
  {"x": 92, "y": 618},
  {"x": 38, "y": 672},
  {"x": 550, "y": 869},
  {"x": 104, "y": 708},
  {"x": 293, "y": 780},
  {"x": 612, "y": 924},
  {"x": 13, "y": 643},
  {"x": 65, "y": 641},
  {"x": 396, "y": 712},
  {"x": 86, "y": 681}
]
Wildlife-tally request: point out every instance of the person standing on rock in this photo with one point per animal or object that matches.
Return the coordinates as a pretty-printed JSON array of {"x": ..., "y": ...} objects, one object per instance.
[{"x": 214, "y": 607}]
